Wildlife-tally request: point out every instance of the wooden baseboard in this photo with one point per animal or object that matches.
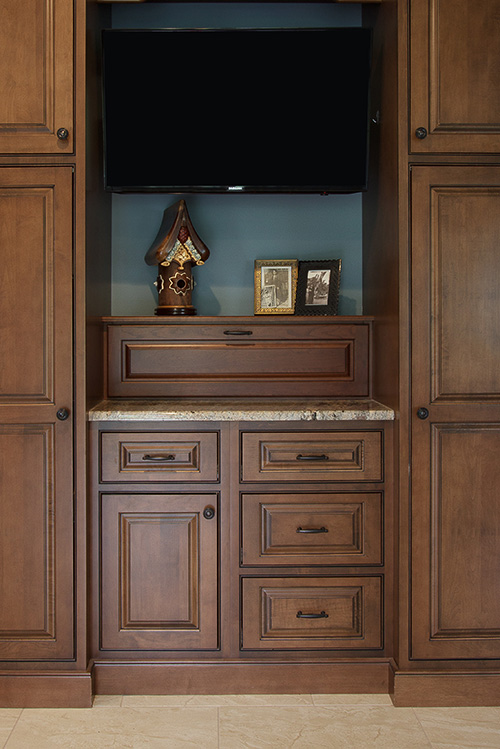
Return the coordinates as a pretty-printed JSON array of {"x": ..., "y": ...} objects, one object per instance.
[
  {"x": 241, "y": 678},
  {"x": 446, "y": 689},
  {"x": 22, "y": 689}
]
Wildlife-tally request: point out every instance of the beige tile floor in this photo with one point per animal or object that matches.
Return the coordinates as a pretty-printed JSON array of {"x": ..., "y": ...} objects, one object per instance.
[{"x": 251, "y": 722}]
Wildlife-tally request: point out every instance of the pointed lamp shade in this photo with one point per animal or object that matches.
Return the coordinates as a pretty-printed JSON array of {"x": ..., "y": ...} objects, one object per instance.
[{"x": 175, "y": 250}]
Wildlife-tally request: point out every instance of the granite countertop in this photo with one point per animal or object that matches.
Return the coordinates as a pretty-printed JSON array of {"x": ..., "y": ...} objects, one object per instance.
[{"x": 179, "y": 409}]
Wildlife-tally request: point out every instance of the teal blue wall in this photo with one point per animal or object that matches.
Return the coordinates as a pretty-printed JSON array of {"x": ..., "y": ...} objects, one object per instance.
[{"x": 237, "y": 229}]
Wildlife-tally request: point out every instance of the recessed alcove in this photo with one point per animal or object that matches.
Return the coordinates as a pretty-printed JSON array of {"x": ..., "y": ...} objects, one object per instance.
[{"x": 237, "y": 228}]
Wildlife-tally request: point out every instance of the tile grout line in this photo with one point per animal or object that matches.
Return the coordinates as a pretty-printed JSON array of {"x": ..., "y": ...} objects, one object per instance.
[
  {"x": 13, "y": 728},
  {"x": 431, "y": 744}
]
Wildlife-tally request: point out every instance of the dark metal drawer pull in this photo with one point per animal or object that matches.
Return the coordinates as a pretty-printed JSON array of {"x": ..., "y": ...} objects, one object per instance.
[
  {"x": 238, "y": 332},
  {"x": 322, "y": 615},
  {"x": 162, "y": 458},
  {"x": 312, "y": 530},
  {"x": 312, "y": 457}
]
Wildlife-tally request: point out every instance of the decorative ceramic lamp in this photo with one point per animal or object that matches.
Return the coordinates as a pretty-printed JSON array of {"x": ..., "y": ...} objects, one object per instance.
[{"x": 176, "y": 249}]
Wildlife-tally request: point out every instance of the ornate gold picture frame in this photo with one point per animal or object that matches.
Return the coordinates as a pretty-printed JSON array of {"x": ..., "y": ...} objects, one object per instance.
[{"x": 275, "y": 287}]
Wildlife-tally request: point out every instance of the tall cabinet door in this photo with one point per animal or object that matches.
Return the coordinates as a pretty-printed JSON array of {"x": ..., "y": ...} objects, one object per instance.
[
  {"x": 455, "y": 76},
  {"x": 36, "y": 85},
  {"x": 36, "y": 485},
  {"x": 455, "y": 501}
]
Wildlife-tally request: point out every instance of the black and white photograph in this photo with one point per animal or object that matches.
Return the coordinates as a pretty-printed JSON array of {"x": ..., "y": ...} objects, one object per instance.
[{"x": 318, "y": 287}]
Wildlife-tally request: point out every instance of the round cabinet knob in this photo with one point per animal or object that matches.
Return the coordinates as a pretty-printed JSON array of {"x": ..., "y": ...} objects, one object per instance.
[
  {"x": 63, "y": 133},
  {"x": 62, "y": 414},
  {"x": 423, "y": 413},
  {"x": 208, "y": 513},
  {"x": 421, "y": 133}
]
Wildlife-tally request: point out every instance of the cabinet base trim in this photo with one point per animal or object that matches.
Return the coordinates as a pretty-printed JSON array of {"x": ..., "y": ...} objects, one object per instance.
[
  {"x": 45, "y": 690},
  {"x": 446, "y": 689},
  {"x": 241, "y": 678}
]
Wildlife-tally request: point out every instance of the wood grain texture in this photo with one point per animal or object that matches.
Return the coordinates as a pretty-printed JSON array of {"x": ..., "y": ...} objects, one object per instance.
[
  {"x": 231, "y": 357},
  {"x": 455, "y": 70},
  {"x": 311, "y": 529},
  {"x": 159, "y": 566},
  {"x": 36, "y": 85},
  {"x": 36, "y": 476}
]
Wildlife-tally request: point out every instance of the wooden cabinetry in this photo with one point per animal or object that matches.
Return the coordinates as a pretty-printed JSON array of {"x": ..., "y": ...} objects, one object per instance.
[
  {"x": 36, "y": 476},
  {"x": 227, "y": 356},
  {"x": 36, "y": 81},
  {"x": 450, "y": 618},
  {"x": 455, "y": 76},
  {"x": 157, "y": 578},
  {"x": 455, "y": 508},
  {"x": 41, "y": 613},
  {"x": 159, "y": 571},
  {"x": 211, "y": 568},
  {"x": 332, "y": 607}
]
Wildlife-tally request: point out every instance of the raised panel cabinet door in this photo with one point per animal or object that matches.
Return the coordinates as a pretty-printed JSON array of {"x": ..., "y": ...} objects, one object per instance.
[
  {"x": 455, "y": 500},
  {"x": 158, "y": 571},
  {"x": 36, "y": 478},
  {"x": 454, "y": 76},
  {"x": 36, "y": 76}
]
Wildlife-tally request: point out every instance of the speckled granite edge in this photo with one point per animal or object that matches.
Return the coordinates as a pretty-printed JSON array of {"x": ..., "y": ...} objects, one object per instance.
[{"x": 240, "y": 410}]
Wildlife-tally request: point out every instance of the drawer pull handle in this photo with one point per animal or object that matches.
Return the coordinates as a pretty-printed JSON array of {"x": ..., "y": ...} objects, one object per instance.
[
  {"x": 321, "y": 615},
  {"x": 238, "y": 332},
  {"x": 312, "y": 530},
  {"x": 312, "y": 457},
  {"x": 159, "y": 458}
]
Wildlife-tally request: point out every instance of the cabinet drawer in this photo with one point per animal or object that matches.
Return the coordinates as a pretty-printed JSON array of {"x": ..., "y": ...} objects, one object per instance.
[
  {"x": 158, "y": 456},
  {"x": 239, "y": 357},
  {"x": 309, "y": 529},
  {"x": 312, "y": 612},
  {"x": 311, "y": 456}
]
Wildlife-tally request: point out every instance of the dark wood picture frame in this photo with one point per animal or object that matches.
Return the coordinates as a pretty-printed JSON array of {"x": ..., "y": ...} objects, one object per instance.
[{"x": 318, "y": 287}]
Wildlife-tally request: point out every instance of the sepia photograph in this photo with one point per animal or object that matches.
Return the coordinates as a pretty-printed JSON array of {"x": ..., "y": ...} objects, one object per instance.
[{"x": 275, "y": 287}]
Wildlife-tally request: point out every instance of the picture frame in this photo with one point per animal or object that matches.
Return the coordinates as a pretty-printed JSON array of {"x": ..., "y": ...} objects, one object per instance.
[
  {"x": 318, "y": 287},
  {"x": 275, "y": 287}
]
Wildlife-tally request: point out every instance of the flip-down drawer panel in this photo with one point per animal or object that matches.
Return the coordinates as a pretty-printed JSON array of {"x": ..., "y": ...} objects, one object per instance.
[{"x": 246, "y": 359}]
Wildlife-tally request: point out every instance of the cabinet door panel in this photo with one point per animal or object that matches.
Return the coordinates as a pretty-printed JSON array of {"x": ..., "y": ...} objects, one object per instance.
[
  {"x": 455, "y": 507},
  {"x": 36, "y": 453},
  {"x": 159, "y": 566},
  {"x": 36, "y": 86},
  {"x": 455, "y": 75},
  {"x": 456, "y": 545}
]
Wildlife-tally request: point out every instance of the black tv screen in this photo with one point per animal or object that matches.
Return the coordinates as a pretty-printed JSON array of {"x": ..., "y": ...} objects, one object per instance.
[{"x": 236, "y": 110}]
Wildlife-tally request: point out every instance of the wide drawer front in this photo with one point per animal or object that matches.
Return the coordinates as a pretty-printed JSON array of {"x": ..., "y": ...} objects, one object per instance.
[
  {"x": 246, "y": 360},
  {"x": 158, "y": 456},
  {"x": 309, "y": 529},
  {"x": 312, "y": 456},
  {"x": 302, "y": 613}
]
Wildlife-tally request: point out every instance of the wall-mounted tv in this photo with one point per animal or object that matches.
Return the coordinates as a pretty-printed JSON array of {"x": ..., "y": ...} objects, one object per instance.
[{"x": 236, "y": 110}]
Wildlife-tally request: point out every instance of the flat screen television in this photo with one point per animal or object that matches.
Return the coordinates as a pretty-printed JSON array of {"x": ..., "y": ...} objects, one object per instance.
[{"x": 236, "y": 110}]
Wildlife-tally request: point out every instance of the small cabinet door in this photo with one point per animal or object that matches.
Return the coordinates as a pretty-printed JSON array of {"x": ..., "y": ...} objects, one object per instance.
[
  {"x": 455, "y": 507},
  {"x": 159, "y": 566},
  {"x": 36, "y": 445},
  {"x": 455, "y": 76},
  {"x": 36, "y": 85}
]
